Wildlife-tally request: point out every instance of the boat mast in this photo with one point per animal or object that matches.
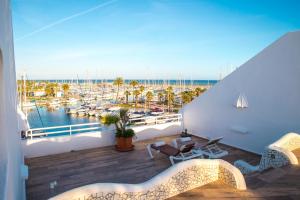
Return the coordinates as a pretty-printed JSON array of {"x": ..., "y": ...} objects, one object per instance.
[{"x": 24, "y": 85}]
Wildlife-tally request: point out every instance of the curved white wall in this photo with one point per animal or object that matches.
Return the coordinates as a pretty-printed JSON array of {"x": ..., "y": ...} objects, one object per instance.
[
  {"x": 286, "y": 144},
  {"x": 11, "y": 183},
  {"x": 54, "y": 145},
  {"x": 275, "y": 155},
  {"x": 270, "y": 81},
  {"x": 177, "y": 179}
]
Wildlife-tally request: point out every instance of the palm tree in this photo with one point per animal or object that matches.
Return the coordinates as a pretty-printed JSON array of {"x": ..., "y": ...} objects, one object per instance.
[
  {"x": 50, "y": 89},
  {"x": 149, "y": 96},
  {"x": 55, "y": 88},
  {"x": 170, "y": 97},
  {"x": 29, "y": 87},
  {"x": 197, "y": 91},
  {"x": 136, "y": 94},
  {"x": 118, "y": 82},
  {"x": 65, "y": 88},
  {"x": 133, "y": 84},
  {"x": 127, "y": 93},
  {"x": 186, "y": 97},
  {"x": 160, "y": 97},
  {"x": 142, "y": 89}
]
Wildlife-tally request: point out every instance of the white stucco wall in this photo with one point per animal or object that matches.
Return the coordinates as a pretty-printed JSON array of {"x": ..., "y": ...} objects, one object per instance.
[
  {"x": 54, "y": 145},
  {"x": 11, "y": 183},
  {"x": 271, "y": 84}
]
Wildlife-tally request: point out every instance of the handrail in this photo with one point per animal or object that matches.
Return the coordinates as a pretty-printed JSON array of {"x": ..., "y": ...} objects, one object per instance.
[
  {"x": 69, "y": 129},
  {"x": 156, "y": 119},
  {"x": 65, "y": 126},
  {"x": 88, "y": 127}
]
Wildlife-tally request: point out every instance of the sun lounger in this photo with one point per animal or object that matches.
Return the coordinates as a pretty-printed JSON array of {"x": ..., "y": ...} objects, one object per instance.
[
  {"x": 178, "y": 142},
  {"x": 210, "y": 149},
  {"x": 245, "y": 167},
  {"x": 186, "y": 152}
]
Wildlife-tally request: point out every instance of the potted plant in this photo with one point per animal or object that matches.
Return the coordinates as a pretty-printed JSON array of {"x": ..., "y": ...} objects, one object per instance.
[{"x": 123, "y": 135}]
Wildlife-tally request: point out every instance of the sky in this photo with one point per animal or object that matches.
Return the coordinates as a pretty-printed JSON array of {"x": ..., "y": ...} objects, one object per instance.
[{"x": 144, "y": 39}]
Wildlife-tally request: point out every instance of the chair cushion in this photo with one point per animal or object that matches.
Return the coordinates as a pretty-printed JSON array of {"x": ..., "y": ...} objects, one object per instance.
[
  {"x": 166, "y": 149},
  {"x": 159, "y": 143},
  {"x": 181, "y": 143},
  {"x": 187, "y": 147},
  {"x": 185, "y": 139}
]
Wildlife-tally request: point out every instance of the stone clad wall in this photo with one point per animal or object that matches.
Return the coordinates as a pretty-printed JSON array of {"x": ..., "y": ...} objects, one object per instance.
[
  {"x": 276, "y": 155},
  {"x": 227, "y": 177},
  {"x": 177, "y": 179},
  {"x": 273, "y": 158},
  {"x": 283, "y": 148}
]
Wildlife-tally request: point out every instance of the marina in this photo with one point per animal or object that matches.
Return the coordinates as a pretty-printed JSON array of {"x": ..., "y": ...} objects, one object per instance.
[{"x": 66, "y": 102}]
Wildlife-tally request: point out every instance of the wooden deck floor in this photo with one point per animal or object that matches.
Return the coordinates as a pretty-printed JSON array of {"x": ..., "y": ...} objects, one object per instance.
[{"x": 74, "y": 169}]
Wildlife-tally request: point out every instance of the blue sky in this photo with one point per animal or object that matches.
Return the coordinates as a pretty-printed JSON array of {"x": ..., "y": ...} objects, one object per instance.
[{"x": 190, "y": 39}]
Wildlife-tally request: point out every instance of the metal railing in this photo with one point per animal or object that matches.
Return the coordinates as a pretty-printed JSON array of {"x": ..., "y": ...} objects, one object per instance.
[
  {"x": 156, "y": 119},
  {"x": 62, "y": 130},
  {"x": 89, "y": 127}
]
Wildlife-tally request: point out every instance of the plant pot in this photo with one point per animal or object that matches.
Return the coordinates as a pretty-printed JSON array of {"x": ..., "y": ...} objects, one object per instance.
[{"x": 124, "y": 144}]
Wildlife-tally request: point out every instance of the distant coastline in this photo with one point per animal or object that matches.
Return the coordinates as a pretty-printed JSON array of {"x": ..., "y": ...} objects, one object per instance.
[{"x": 127, "y": 81}]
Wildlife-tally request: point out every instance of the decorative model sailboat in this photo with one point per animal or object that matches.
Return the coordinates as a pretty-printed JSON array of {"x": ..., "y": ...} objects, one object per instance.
[{"x": 242, "y": 102}]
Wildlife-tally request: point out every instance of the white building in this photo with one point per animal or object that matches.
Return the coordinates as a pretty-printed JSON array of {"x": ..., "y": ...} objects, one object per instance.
[
  {"x": 11, "y": 158},
  {"x": 39, "y": 93},
  {"x": 270, "y": 85}
]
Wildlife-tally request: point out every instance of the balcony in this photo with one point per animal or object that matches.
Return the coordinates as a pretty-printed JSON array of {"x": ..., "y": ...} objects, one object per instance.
[{"x": 66, "y": 171}]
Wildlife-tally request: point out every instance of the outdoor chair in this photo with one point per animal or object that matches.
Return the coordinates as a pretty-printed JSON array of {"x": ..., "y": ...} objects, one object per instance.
[
  {"x": 185, "y": 152},
  {"x": 210, "y": 149}
]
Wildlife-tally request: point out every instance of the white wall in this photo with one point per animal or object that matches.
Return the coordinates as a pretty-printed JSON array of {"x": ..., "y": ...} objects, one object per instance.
[
  {"x": 54, "y": 145},
  {"x": 11, "y": 183},
  {"x": 271, "y": 83}
]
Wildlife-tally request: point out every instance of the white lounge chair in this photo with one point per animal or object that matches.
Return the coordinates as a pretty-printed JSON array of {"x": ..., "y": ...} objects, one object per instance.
[
  {"x": 210, "y": 149},
  {"x": 185, "y": 152},
  {"x": 245, "y": 167}
]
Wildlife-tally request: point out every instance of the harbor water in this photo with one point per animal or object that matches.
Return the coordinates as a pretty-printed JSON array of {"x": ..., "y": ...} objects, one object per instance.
[{"x": 43, "y": 116}]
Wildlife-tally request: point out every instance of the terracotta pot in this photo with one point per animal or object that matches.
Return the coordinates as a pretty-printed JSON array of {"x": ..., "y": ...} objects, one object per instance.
[{"x": 124, "y": 144}]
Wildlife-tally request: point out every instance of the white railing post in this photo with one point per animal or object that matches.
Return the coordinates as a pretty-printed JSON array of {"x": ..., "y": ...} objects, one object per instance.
[
  {"x": 70, "y": 129},
  {"x": 30, "y": 134}
]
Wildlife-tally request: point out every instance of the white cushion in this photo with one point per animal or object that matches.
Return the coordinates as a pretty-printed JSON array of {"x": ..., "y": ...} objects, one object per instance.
[
  {"x": 185, "y": 139},
  {"x": 159, "y": 143}
]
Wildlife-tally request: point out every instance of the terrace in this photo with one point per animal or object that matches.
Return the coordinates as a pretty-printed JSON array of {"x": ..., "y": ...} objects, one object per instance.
[{"x": 83, "y": 167}]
